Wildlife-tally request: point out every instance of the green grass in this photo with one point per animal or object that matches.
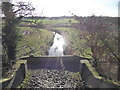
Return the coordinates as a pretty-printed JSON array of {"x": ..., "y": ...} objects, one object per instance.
[
  {"x": 51, "y": 21},
  {"x": 59, "y": 21},
  {"x": 37, "y": 42},
  {"x": 25, "y": 82},
  {"x": 75, "y": 41},
  {"x": 40, "y": 45}
]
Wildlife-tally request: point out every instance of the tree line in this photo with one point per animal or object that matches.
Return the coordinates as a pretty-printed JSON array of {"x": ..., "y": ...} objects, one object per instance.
[
  {"x": 101, "y": 35},
  {"x": 13, "y": 13}
]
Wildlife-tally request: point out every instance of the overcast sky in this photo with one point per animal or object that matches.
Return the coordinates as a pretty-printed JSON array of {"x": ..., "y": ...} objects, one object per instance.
[{"x": 52, "y": 8}]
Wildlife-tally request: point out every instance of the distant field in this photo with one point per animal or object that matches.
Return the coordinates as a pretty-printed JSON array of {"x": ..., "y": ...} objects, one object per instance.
[{"x": 50, "y": 22}]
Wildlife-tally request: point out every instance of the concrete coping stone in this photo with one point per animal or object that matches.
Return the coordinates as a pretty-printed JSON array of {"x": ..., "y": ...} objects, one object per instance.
[
  {"x": 95, "y": 73},
  {"x": 17, "y": 65}
]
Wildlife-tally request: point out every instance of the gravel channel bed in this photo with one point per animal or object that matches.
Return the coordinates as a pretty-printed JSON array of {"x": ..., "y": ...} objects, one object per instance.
[{"x": 43, "y": 78}]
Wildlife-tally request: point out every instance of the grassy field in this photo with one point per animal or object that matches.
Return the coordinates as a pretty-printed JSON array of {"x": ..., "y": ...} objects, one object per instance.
[
  {"x": 37, "y": 41},
  {"x": 34, "y": 41},
  {"x": 49, "y": 21},
  {"x": 74, "y": 45}
]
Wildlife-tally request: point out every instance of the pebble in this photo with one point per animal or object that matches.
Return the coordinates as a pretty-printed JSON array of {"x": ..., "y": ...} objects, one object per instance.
[{"x": 52, "y": 79}]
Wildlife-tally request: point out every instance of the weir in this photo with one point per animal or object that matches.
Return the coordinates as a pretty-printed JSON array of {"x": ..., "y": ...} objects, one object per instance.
[{"x": 68, "y": 63}]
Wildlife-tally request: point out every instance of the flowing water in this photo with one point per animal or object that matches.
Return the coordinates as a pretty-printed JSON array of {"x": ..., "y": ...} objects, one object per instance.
[
  {"x": 57, "y": 47},
  {"x": 54, "y": 74}
]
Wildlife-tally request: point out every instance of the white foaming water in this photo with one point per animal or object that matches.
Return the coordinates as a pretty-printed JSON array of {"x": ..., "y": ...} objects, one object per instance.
[{"x": 57, "y": 47}]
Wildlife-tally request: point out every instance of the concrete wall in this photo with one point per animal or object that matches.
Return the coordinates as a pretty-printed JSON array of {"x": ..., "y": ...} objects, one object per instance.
[
  {"x": 92, "y": 78},
  {"x": 70, "y": 63},
  {"x": 20, "y": 75},
  {"x": 6, "y": 82},
  {"x": 73, "y": 64},
  {"x": 17, "y": 78}
]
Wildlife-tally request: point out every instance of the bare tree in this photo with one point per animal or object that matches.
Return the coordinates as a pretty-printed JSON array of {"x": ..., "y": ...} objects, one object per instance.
[
  {"x": 12, "y": 16},
  {"x": 98, "y": 34}
]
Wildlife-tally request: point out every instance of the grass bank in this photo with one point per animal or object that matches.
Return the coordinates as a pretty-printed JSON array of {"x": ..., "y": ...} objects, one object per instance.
[{"x": 34, "y": 41}]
